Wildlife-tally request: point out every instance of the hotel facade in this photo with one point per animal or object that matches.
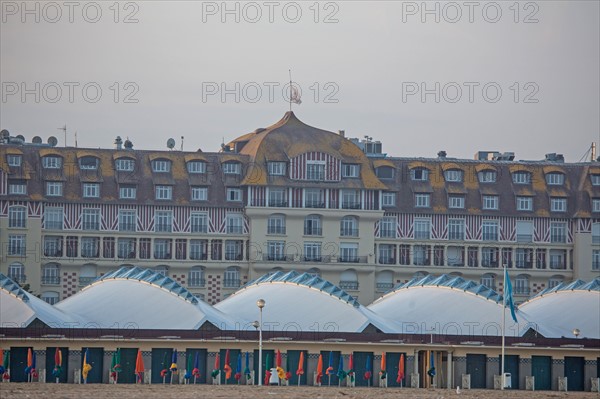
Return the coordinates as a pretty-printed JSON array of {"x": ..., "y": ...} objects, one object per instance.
[{"x": 293, "y": 197}]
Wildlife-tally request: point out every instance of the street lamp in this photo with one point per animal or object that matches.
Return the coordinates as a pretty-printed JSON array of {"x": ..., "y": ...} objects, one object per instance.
[{"x": 261, "y": 304}]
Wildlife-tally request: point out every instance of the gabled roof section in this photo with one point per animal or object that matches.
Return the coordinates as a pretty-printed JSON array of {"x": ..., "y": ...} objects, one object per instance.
[
  {"x": 307, "y": 280},
  {"x": 577, "y": 285},
  {"x": 12, "y": 288},
  {"x": 150, "y": 277}
]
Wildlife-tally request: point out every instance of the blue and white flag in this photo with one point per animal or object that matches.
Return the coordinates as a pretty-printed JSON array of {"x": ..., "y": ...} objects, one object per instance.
[{"x": 508, "y": 296}]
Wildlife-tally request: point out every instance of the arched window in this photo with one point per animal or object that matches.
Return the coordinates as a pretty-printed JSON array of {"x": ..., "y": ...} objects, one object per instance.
[
  {"x": 88, "y": 163},
  {"x": 419, "y": 174},
  {"x": 385, "y": 172},
  {"x": 161, "y": 165},
  {"x": 196, "y": 277},
  {"x": 453, "y": 175},
  {"x": 51, "y": 274},
  {"x": 162, "y": 269},
  {"x": 312, "y": 225},
  {"x": 349, "y": 226},
  {"x": 313, "y": 271},
  {"x": 384, "y": 281},
  {"x": 17, "y": 216},
  {"x": 522, "y": 284},
  {"x": 88, "y": 273},
  {"x": 231, "y": 277},
  {"x": 349, "y": 280},
  {"x": 50, "y": 297},
  {"x": 16, "y": 272},
  {"x": 487, "y": 176},
  {"x": 276, "y": 224},
  {"x": 489, "y": 280},
  {"x": 555, "y": 280}
]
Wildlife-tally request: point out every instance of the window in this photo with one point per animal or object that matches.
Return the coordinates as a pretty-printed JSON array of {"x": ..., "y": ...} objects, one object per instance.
[
  {"x": 127, "y": 220},
  {"x": 54, "y": 189},
  {"x": 16, "y": 272},
  {"x": 126, "y": 248},
  {"x": 595, "y": 179},
  {"x": 386, "y": 255},
  {"x": 422, "y": 229},
  {"x": 596, "y": 259},
  {"x": 315, "y": 170},
  {"x": 91, "y": 219},
  {"x": 88, "y": 163},
  {"x": 53, "y": 246},
  {"x": 350, "y": 170},
  {"x": 13, "y": 160},
  {"x": 558, "y": 232},
  {"x": 388, "y": 199},
  {"x": 312, "y": 225},
  {"x": 489, "y": 257},
  {"x": 419, "y": 174},
  {"x": 196, "y": 167},
  {"x": 524, "y": 231},
  {"x": 51, "y": 162},
  {"x": 456, "y": 229},
  {"x": 421, "y": 255},
  {"x": 276, "y": 168},
  {"x": 488, "y": 280},
  {"x": 456, "y": 202},
  {"x": 161, "y": 166},
  {"x": 453, "y": 175},
  {"x": 349, "y": 280},
  {"x": 487, "y": 176},
  {"x": 198, "y": 249},
  {"x": 90, "y": 247},
  {"x": 17, "y": 188},
  {"x": 521, "y": 177},
  {"x": 524, "y": 258},
  {"x": 555, "y": 179},
  {"x": 351, "y": 199},
  {"x": 232, "y": 168},
  {"x": 385, "y": 172},
  {"x": 387, "y": 227},
  {"x": 127, "y": 192},
  {"x": 422, "y": 200},
  {"x": 162, "y": 248},
  {"x": 595, "y": 233},
  {"x": 595, "y": 205},
  {"x": 234, "y": 194},
  {"x": 314, "y": 198},
  {"x": 199, "y": 193},
  {"x": 349, "y": 227},
  {"x": 349, "y": 252},
  {"x": 276, "y": 224},
  {"x": 233, "y": 249},
  {"x": 53, "y": 218},
  {"x": 162, "y": 269},
  {"x": 17, "y": 216},
  {"x": 558, "y": 204},
  {"x": 490, "y": 202},
  {"x": 231, "y": 277},
  {"x": 196, "y": 277},
  {"x": 557, "y": 259},
  {"x": 16, "y": 244},
  {"x": 164, "y": 192},
  {"x": 524, "y": 203},
  {"x": 490, "y": 230},
  {"x": 554, "y": 281},
  {"x": 125, "y": 165},
  {"x": 235, "y": 224},
  {"x": 522, "y": 285},
  {"x": 50, "y": 297},
  {"x": 91, "y": 190},
  {"x": 276, "y": 250},
  {"x": 277, "y": 197},
  {"x": 163, "y": 221},
  {"x": 199, "y": 222}
]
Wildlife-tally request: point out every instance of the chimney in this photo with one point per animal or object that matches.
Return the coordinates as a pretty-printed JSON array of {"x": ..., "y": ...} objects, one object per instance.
[
  {"x": 118, "y": 143},
  {"x": 342, "y": 133},
  {"x": 442, "y": 154},
  {"x": 593, "y": 151}
]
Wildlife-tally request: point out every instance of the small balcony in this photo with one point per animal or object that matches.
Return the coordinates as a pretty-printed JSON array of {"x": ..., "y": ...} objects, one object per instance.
[
  {"x": 349, "y": 232},
  {"x": 313, "y": 231},
  {"x": 18, "y": 278},
  {"x": 321, "y": 259},
  {"x": 387, "y": 234},
  {"x": 524, "y": 238},
  {"x": 276, "y": 230},
  {"x": 162, "y": 255},
  {"x": 231, "y": 283},
  {"x": 196, "y": 282},
  {"x": 349, "y": 285},
  {"x": 385, "y": 260},
  {"x": 50, "y": 280},
  {"x": 522, "y": 290},
  {"x": 314, "y": 204},
  {"x": 198, "y": 256},
  {"x": 234, "y": 256},
  {"x": 53, "y": 225},
  {"x": 352, "y": 259},
  {"x": 163, "y": 228},
  {"x": 234, "y": 230},
  {"x": 83, "y": 281},
  {"x": 351, "y": 205},
  {"x": 278, "y": 204},
  {"x": 384, "y": 287},
  {"x": 128, "y": 227},
  {"x": 277, "y": 258}
]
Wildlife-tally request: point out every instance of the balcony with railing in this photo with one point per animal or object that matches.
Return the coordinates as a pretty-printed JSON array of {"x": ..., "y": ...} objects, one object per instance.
[
  {"x": 321, "y": 259},
  {"x": 383, "y": 287},
  {"x": 198, "y": 255},
  {"x": 523, "y": 264},
  {"x": 522, "y": 290},
  {"x": 234, "y": 256},
  {"x": 163, "y": 227},
  {"x": 489, "y": 262},
  {"x": 50, "y": 280},
  {"x": 18, "y": 278},
  {"x": 595, "y": 239},
  {"x": 128, "y": 227},
  {"x": 386, "y": 260},
  {"x": 231, "y": 283},
  {"x": 314, "y": 204},
  {"x": 351, "y": 205},
  {"x": 348, "y": 232},
  {"x": 387, "y": 233},
  {"x": 53, "y": 252},
  {"x": 524, "y": 238},
  {"x": 352, "y": 259},
  {"x": 51, "y": 225},
  {"x": 313, "y": 231},
  {"x": 276, "y": 230},
  {"x": 349, "y": 285},
  {"x": 162, "y": 255},
  {"x": 278, "y": 204},
  {"x": 277, "y": 258},
  {"x": 196, "y": 282},
  {"x": 86, "y": 280},
  {"x": 558, "y": 264},
  {"x": 234, "y": 230}
]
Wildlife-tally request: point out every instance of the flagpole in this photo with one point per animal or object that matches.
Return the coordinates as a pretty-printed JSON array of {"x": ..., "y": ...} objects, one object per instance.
[
  {"x": 290, "y": 71},
  {"x": 503, "y": 328}
]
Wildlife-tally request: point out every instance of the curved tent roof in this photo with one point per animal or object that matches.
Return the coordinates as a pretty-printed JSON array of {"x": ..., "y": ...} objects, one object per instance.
[
  {"x": 18, "y": 308},
  {"x": 559, "y": 310},
  {"x": 446, "y": 305},
  {"x": 142, "y": 298},
  {"x": 300, "y": 302}
]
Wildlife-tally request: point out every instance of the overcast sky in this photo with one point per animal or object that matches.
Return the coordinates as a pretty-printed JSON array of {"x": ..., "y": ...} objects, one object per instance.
[{"x": 519, "y": 78}]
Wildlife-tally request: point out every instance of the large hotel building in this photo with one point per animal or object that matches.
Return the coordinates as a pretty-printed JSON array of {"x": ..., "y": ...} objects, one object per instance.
[{"x": 293, "y": 197}]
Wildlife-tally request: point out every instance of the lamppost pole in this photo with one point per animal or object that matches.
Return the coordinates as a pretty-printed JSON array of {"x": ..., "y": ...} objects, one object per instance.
[{"x": 261, "y": 304}]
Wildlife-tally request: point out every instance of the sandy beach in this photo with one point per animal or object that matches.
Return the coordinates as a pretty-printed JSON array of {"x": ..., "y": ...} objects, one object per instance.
[{"x": 67, "y": 391}]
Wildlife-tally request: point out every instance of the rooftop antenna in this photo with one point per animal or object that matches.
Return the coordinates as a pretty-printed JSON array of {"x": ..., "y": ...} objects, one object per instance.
[
  {"x": 182, "y": 143},
  {"x": 76, "y": 139},
  {"x": 294, "y": 92},
  {"x": 64, "y": 129}
]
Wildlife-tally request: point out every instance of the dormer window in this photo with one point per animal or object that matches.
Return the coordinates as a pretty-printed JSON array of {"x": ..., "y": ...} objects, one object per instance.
[
  {"x": 419, "y": 174},
  {"x": 350, "y": 170},
  {"x": 14, "y": 160},
  {"x": 232, "y": 168},
  {"x": 125, "y": 165},
  {"x": 161, "y": 166},
  {"x": 555, "y": 179},
  {"x": 51, "y": 162},
  {"x": 487, "y": 176},
  {"x": 595, "y": 178},
  {"x": 88, "y": 163},
  {"x": 276, "y": 168},
  {"x": 453, "y": 175},
  {"x": 385, "y": 172},
  {"x": 315, "y": 170},
  {"x": 521, "y": 177},
  {"x": 196, "y": 167}
]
